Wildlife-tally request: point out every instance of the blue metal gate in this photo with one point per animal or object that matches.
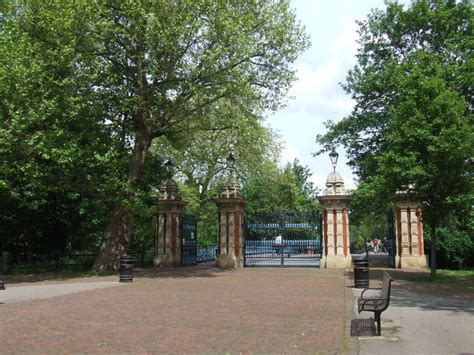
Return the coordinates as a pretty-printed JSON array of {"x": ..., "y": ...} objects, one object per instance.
[
  {"x": 191, "y": 252},
  {"x": 291, "y": 238},
  {"x": 390, "y": 242},
  {"x": 188, "y": 229}
]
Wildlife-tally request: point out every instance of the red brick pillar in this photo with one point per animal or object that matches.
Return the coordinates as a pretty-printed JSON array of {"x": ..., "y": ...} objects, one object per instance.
[
  {"x": 170, "y": 206},
  {"x": 335, "y": 200},
  {"x": 409, "y": 232},
  {"x": 231, "y": 235}
]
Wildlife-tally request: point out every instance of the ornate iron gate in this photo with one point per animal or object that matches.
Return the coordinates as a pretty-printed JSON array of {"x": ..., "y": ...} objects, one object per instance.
[
  {"x": 391, "y": 240},
  {"x": 299, "y": 245},
  {"x": 188, "y": 229}
]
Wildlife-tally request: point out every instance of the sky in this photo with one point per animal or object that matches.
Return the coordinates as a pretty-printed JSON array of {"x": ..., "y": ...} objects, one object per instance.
[{"x": 317, "y": 95}]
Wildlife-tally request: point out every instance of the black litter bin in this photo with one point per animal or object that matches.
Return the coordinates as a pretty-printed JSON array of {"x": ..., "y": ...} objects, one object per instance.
[
  {"x": 361, "y": 273},
  {"x": 126, "y": 268}
]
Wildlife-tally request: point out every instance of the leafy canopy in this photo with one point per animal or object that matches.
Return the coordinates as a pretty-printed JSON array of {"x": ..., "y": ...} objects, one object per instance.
[{"x": 412, "y": 124}]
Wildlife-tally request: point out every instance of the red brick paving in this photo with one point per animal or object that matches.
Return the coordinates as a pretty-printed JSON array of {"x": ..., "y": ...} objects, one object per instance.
[{"x": 189, "y": 310}]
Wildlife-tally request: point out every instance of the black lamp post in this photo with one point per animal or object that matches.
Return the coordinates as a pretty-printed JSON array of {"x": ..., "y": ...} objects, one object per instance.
[
  {"x": 170, "y": 167},
  {"x": 333, "y": 156},
  {"x": 230, "y": 162}
]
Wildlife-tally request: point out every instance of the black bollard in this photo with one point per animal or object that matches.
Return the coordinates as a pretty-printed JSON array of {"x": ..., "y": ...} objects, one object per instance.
[{"x": 126, "y": 268}]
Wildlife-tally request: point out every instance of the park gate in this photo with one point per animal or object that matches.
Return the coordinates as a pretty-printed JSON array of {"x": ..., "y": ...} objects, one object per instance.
[
  {"x": 188, "y": 232},
  {"x": 191, "y": 252},
  {"x": 391, "y": 240},
  {"x": 300, "y": 239}
]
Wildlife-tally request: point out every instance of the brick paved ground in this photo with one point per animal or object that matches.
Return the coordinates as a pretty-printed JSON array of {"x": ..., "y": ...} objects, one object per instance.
[{"x": 189, "y": 310}]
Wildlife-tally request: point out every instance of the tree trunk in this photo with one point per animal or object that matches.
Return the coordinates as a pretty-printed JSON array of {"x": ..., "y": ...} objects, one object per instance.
[
  {"x": 116, "y": 239},
  {"x": 433, "y": 250}
]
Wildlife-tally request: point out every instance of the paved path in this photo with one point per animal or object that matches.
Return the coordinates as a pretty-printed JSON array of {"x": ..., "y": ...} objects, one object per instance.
[
  {"x": 207, "y": 310},
  {"x": 422, "y": 319},
  {"x": 187, "y": 310},
  {"x": 24, "y": 293}
]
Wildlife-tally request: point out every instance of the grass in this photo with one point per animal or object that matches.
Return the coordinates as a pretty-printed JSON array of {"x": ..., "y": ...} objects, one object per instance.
[
  {"x": 442, "y": 276},
  {"x": 461, "y": 273}
]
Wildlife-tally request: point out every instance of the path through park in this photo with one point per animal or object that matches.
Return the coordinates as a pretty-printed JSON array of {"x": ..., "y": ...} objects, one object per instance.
[{"x": 185, "y": 310}]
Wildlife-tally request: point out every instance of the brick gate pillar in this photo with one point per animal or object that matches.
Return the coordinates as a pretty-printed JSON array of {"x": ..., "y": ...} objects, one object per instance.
[
  {"x": 336, "y": 246},
  {"x": 409, "y": 233},
  {"x": 170, "y": 206},
  {"x": 231, "y": 235}
]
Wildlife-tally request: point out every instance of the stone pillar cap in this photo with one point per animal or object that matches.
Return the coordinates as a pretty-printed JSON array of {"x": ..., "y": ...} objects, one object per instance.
[
  {"x": 334, "y": 185},
  {"x": 169, "y": 190},
  {"x": 230, "y": 189}
]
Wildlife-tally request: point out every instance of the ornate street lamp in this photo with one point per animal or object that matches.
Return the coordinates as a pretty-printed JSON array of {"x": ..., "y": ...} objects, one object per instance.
[
  {"x": 230, "y": 162},
  {"x": 333, "y": 156},
  {"x": 170, "y": 167}
]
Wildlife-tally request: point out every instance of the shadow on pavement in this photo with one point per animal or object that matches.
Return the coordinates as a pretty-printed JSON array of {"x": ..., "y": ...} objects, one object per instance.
[
  {"x": 409, "y": 298},
  {"x": 202, "y": 270},
  {"x": 413, "y": 288}
]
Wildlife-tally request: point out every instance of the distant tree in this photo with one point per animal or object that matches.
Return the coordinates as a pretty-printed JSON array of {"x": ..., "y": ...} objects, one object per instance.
[
  {"x": 274, "y": 190},
  {"x": 201, "y": 159},
  {"x": 201, "y": 163},
  {"x": 307, "y": 189},
  {"x": 412, "y": 126}
]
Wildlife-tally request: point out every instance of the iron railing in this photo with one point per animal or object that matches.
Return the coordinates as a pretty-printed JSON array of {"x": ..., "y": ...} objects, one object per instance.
[{"x": 35, "y": 263}]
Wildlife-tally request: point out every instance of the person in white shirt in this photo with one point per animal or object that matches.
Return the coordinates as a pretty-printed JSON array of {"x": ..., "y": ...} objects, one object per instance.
[
  {"x": 278, "y": 240},
  {"x": 278, "y": 244}
]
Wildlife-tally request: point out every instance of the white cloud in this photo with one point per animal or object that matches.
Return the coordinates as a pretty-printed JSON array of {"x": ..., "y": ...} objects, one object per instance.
[
  {"x": 317, "y": 93},
  {"x": 317, "y": 80},
  {"x": 288, "y": 154},
  {"x": 345, "y": 44}
]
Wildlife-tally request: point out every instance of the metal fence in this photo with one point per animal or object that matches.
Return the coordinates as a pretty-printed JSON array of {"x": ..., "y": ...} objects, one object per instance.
[
  {"x": 206, "y": 253},
  {"x": 288, "y": 253},
  {"x": 298, "y": 244},
  {"x": 35, "y": 263}
]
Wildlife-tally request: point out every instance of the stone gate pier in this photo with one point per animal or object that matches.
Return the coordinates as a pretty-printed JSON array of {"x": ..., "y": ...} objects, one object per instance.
[
  {"x": 336, "y": 246},
  {"x": 231, "y": 235},
  {"x": 409, "y": 233},
  {"x": 168, "y": 240}
]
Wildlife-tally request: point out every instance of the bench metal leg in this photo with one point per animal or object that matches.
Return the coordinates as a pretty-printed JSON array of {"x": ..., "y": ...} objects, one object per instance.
[{"x": 377, "y": 319}]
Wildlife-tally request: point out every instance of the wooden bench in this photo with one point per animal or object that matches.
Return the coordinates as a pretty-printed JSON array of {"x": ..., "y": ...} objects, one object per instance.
[{"x": 379, "y": 303}]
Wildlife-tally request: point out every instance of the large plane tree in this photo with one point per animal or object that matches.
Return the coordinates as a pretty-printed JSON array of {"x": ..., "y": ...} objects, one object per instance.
[{"x": 162, "y": 68}]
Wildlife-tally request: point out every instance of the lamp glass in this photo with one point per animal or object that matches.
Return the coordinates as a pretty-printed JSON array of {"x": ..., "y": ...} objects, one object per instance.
[
  {"x": 169, "y": 167},
  {"x": 333, "y": 156},
  {"x": 230, "y": 161}
]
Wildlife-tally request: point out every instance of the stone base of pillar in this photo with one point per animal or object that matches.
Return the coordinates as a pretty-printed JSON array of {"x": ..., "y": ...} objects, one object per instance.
[
  {"x": 225, "y": 261},
  {"x": 337, "y": 261},
  {"x": 165, "y": 260},
  {"x": 412, "y": 262}
]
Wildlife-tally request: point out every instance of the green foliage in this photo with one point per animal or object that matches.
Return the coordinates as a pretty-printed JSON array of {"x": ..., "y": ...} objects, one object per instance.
[
  {"x": 59, "y": 163},
  {"x": 85, "y": 87},
  {"x": 358, "y": 242},
  {"x": 307, "y": 191},
  {"x": 277, "y": 190},
  {"x": 206, "y": 212},
  {"x": 412, "y": 127},
  {"x": 455, "y": 249}
]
